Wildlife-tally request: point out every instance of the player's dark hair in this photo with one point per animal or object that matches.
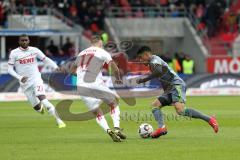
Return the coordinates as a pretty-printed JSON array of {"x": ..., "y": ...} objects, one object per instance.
[
  {"x": 144, "y": 49},
  {"x": 23, "y": 35},
  {"x": 95, "y": 39}
]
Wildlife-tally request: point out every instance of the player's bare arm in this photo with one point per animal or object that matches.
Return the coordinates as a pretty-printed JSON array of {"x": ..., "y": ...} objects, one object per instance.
[
  {"x": 116, "y": 72},
  {"x": 72, "y": 69},
  {"x": 69, "y": 67}
]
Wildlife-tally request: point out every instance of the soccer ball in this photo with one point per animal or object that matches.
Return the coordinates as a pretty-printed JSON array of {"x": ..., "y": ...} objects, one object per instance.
[{"x": 145, "y": 130}]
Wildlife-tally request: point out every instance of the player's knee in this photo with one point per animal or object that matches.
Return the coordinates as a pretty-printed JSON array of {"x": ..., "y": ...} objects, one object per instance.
[
  {"x": 116, "y": 101},
  {"x": 97, "y": 112},
  {"x": 156, "y": 104},
  {"x": 37, "y": 107},
  {"x": 179, "y": 108},
  {"x": 179, "y": 111}
]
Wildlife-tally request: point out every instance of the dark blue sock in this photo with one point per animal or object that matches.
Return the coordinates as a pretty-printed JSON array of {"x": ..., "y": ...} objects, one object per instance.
[
  {"x": 158, "y": 115},
  {"x": 195, "y": 114}
]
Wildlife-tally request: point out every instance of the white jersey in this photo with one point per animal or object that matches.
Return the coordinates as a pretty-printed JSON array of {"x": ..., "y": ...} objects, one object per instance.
[
  {"x": 25, "y": 62},
  {"x": 91, "y": 61}
]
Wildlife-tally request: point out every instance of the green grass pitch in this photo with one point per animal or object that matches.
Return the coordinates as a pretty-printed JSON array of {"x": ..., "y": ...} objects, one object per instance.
[{"x": 27, "y": 135}]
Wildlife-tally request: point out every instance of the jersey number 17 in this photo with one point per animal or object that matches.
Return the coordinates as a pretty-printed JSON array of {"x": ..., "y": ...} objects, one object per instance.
[{"x": 85, "y": 60}]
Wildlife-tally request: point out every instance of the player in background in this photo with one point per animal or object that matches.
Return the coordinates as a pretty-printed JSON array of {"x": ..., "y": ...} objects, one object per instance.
[
  {"x": 92, "y": 89},
  {"x": 24, "y": 59},
  {"x": 174, "y": 92}
]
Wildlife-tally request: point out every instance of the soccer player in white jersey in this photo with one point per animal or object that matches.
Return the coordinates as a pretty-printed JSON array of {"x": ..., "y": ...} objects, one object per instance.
[
  {"x": 93, "y": 90},
  {"x": 24, "y": 59}
]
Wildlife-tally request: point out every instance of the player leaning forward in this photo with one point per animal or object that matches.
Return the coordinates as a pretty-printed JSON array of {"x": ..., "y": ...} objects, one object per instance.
[
  {"x": 92, "y": 89},
  {"x": 174, "y": 91},
  {"x": 24, "y": 59}
]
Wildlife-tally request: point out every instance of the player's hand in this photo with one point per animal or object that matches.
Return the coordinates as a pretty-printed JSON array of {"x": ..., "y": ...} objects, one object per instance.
[
  {"x": 139, "y": 80},
  {"x": 118, "y": 81},
  {"x": 24, "y": 79},
  {"x": 60, "y": 69}
]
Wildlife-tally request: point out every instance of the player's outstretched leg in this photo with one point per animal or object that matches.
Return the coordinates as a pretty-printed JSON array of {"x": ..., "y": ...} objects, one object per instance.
[
  {"x": 180, "y": 108},
  {"x": 51, "y": 110},
  {"x": 159, "y": 117},
  {"x": 115, "y": 114},
  {"x": 103, "y": 123}
]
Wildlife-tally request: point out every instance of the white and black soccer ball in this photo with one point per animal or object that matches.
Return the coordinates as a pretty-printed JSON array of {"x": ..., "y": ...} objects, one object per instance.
[{"x": 145, "y": 130}]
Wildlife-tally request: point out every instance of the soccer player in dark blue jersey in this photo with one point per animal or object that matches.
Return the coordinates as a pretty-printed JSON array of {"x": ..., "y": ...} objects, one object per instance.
[{"x": 174, "y": 91}]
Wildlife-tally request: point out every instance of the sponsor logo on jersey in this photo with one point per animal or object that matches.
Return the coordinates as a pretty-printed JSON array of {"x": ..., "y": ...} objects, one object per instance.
[{"x": 27, "y": 60}]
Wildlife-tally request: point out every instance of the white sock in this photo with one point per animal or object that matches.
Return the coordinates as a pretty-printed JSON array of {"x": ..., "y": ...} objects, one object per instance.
[
  {"x": 115, "y": 114},
  {"x": 102, "y": 122},
  {"x": 51, "y": 110}
]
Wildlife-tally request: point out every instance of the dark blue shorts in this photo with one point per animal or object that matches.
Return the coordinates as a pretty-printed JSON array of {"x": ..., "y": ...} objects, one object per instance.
[{"x": 176, "y": 94}]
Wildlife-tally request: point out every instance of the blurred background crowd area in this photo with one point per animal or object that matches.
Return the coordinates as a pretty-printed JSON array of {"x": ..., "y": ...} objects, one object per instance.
[
  {"x": 209, "y": 14},
  {"x": 181, "y": 63},
  {"x": 90, "y": 13}
]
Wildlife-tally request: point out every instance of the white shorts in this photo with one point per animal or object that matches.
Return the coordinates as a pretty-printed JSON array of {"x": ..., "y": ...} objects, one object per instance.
[
  {"x": 34, "y": 91},
  {"x": 91, "y": 103},
  {"x": 93, "y": 95}
]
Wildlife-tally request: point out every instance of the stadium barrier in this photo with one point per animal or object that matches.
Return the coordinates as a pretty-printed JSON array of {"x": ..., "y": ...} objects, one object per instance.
[
  {"x": 198, "y": 85},
  {"x": 13, "y": 96},
  {"x": 224, "y": 64},
  {"x": 213, "y": 92}
]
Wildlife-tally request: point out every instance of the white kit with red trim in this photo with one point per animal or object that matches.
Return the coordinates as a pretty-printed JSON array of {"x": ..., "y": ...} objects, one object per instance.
[
  {"x": 26, "y": 65},
  {"x": 89, "y": 75},
  {"x": 91, "y": 61}
]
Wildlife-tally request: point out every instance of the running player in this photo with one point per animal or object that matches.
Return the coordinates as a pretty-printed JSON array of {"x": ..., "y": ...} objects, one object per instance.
[
  {"x": 24, "y": 59},
  {"x": 92, "y": 88},
  {"x": 174, "y": 91}
]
